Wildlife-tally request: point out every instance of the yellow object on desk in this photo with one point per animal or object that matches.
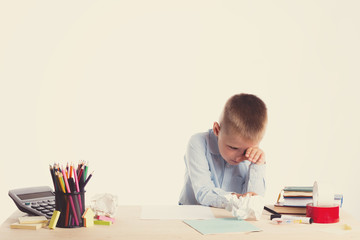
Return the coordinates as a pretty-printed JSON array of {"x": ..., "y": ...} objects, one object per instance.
[
  {"x": 88, "y": 217},
  {"x": 33, "y": 219},
  {"x": 34, "y": 226},
  {"x": 102, "y": 222},
  {"x": 54, "y": 219},
  {"x": 347, "y": 227}
]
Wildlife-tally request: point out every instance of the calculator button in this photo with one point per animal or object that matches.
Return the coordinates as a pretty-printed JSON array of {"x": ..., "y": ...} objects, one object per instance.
[
  {"x": 39, "y": 202},
  {"x": 49, "y": 214},
  {"x": 33, "y": 203},
  {"x": 27, "y": 203},
  {"x": 45, "y": 211},
  {"x": 49, "y": 207},
  {"x": 43, "y": 204},
  {"x": 40, "y": 208},
  {"x": 35, "y": 206}
]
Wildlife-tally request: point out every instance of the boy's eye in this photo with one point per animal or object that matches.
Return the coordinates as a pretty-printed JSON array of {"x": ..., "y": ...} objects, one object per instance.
[{"x": 233, "y": 148}]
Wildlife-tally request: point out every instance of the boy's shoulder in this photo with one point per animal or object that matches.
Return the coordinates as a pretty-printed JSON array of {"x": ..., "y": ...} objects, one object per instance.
[
  {"x": 204, "y": 139},
  {"x": 199, "y": 137}
]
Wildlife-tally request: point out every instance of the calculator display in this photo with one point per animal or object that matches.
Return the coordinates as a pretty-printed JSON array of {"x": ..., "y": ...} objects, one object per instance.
[{"x": 35, "y": 195}]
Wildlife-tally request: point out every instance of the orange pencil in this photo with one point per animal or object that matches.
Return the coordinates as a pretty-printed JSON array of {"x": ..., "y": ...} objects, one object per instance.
[
  {"x": 67, "y": 170},
  {"x": 71, "y": 169}
]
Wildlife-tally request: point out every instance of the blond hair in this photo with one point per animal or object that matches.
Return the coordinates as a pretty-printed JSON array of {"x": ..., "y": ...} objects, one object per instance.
[{"x": 245, "y": 114}]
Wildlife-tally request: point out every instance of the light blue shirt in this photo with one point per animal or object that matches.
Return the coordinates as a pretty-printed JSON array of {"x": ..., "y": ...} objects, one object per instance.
[{"x": 208, "y": 177}]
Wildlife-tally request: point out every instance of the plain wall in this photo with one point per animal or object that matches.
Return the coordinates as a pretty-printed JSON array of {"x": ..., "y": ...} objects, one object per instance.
[{"x": 124, "y": 84}]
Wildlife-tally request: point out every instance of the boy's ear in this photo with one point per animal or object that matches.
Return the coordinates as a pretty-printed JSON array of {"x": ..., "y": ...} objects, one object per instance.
[{"x": 216, "y": 128}]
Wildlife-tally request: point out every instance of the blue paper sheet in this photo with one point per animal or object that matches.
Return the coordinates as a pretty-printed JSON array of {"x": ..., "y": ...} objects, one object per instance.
[{"x": 222, "y": 225}]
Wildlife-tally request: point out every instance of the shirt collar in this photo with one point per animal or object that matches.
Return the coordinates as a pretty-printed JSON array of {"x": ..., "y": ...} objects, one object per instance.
[{"x": 213, "y": 143}]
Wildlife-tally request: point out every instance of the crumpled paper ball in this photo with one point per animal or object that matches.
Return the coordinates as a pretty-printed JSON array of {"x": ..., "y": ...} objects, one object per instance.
[
  {"x": 245, "y": 207},
  {"x": 104, "y": 204}
]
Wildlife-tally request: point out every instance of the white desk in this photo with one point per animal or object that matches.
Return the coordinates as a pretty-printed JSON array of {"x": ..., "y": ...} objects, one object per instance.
[{"x": 128, "y": 225}]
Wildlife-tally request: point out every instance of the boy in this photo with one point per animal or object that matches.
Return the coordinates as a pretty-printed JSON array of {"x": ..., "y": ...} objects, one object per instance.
[{"x": 227, "y": 159}]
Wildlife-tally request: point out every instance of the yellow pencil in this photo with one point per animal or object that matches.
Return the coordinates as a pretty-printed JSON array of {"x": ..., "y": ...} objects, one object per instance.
[
  {"x": 61, "y": 182},
  {"x": 279, "y": 196}
]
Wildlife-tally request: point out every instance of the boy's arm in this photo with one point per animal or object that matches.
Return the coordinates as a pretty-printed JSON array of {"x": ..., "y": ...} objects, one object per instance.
[
  {"x": 199, "y": 172},
  {"x": 256, "y": 179}
]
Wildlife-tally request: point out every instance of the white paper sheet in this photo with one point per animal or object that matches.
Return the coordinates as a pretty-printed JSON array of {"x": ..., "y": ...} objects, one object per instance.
[{"x": 176, "y": 212}]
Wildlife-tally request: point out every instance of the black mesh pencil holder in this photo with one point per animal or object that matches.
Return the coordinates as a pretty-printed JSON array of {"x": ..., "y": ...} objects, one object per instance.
[{"x": 71, "y": 207}]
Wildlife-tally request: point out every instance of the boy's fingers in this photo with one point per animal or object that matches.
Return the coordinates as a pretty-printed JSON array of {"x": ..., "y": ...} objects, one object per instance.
[
  {"x": 248, "y": 151},
  {"x": 253, "y": 154},
  {"x": 250, "y": 193},
  {"x": 258, "y": 156}
]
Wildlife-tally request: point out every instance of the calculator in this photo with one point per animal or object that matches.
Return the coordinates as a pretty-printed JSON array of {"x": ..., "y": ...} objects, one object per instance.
[{"x": 38, "y": 201}]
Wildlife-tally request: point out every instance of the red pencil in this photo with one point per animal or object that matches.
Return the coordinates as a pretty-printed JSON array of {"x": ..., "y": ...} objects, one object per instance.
[
  {"x": 67, "y": 214},
  {"x": 80, "y": 173}
]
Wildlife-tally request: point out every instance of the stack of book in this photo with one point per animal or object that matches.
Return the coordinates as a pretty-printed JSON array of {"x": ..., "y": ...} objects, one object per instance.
[{"x": 294, "y": 200}]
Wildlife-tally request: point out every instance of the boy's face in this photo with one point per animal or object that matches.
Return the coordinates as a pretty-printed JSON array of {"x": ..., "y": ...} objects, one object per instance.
[{"x": 232, "y": 147}]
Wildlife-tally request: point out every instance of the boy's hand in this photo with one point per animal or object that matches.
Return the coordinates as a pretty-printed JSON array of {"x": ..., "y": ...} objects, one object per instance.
[
  {"x": 255, "y": 155},
  {"x": 244, "y": 195}
]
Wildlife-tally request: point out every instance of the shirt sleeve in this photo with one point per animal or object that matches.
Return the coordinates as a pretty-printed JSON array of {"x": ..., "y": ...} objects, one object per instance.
[
  {"x": 256, "y": 179},
  {"x": 200, "y": 175}
]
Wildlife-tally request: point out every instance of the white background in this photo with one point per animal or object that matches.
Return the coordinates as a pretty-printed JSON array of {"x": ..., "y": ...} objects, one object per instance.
[{"x": 124, "y": 84}]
